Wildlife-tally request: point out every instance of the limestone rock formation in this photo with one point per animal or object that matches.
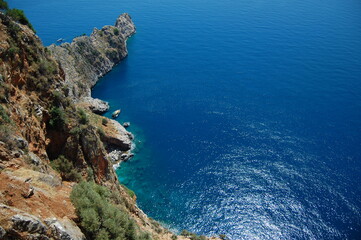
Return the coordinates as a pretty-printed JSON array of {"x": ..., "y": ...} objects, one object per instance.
[
  {"x": 89, "y": 57},
  {"x": 117, "y": 136}
]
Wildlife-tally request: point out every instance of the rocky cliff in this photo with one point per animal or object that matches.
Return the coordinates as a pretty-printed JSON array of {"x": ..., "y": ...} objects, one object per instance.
[
  {"x": 88, "y": 58},
  {"x": 50, "y": 139}
]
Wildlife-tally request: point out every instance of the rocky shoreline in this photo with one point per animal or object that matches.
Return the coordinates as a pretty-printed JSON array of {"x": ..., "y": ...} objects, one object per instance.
[
  {"x": 84, "y": 61},
  {"x": 51, "y": 139}
]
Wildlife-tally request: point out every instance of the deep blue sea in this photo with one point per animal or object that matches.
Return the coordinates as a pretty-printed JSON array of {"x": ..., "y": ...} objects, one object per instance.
[{"x": 247, "y": 114}]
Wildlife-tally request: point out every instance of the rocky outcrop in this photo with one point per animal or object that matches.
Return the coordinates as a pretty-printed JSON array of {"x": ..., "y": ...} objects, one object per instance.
[
  {"x": 28, "y": 223},
  {"x": 43, "y": 128},
  {"x": 95, "y": 105},
  {"x": 89, "y": 57},
  {"x": 64, "y": 229},
  {"x": 116, "y": 135},
  {"x": 18, "y": 224}
]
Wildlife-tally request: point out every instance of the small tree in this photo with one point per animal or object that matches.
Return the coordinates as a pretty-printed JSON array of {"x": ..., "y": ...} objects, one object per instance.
[{"x": 66, "y": 169}]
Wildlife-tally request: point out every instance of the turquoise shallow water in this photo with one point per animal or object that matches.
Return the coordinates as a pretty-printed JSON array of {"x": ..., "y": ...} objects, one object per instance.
[{"x": 247, "y": 114}]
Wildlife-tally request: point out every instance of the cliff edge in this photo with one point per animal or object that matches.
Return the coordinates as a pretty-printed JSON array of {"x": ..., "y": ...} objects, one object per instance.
[{"x": 56, "y": 174}]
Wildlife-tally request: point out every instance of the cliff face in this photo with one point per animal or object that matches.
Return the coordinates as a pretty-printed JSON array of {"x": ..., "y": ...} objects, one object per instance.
[
  {"x": 49, "y": 139},
  {"x": 89, "y": 57},
  {"x": 42, "y": 129}
]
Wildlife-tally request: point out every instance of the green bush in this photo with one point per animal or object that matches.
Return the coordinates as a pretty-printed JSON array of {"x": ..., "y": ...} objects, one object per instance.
[
  {"x": 12, "y": 51},
  {"x": 101, "y": 219},
  {"x": 58, "y": 119},
  {"x": 83, "y": 117},
  {"x": 66, "y": 169},
  {"x": 4, "y": 117},
  {"x": 101, "y": 132},
  {"x": 192, "y": 236},
  {"x": 104, "y": 121},
  {"x": 129, "y": 192},
  {"x": 47, "y": 67},
  {"x": 116, "y": 31},
  {"x": 4, "y": 91},
  {"x": 19, "y": 16}
]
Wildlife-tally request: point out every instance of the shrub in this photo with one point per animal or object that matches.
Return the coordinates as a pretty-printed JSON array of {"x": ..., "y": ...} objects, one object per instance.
[
  {"x": 58, "y": 119},
  {"x": 12, "y": 51},
  {"x": 174, "y": 237},
  {"x": 47, "y": 67},
  {"x": 4, "y": 117},
  {"x": 90, "y": 174},
  {"x": 101, "y": 132},
  {"x": 192, "y": 236},
  {"x": 129, "y": 192},
  {"x": 4, "y": 92},
  {"x": 116, "y": 31},
  {"x": 83, "y": 117},
  {"x": 99, "y": 218},
  {"x": 19, "y": 16},
  {"x": 66, "y": 169},
  {"x": 3, "y": 5},
  {"x": 104, "y": 121},
  {"x": 6, "y": 134}
]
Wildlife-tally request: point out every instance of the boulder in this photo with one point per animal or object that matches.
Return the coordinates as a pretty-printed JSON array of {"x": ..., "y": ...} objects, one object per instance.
[
  {"x": 2, "y": 233},
  {"x": 96, "y": 105},
  {"x": 28, "y": 223},
  {"x": 21, "y": 142},
  {"x": 64, "y": 229},
  {"x": 116, "y": 135},
  {"x": 34, "y": 159}
]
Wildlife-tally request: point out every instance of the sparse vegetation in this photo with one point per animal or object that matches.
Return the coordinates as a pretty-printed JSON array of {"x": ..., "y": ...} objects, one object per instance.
[
  {"x": 116, "y": 31},
  {"x": 100, "y": 218},
  {"x": 58, "y": 119},
  {"x": 104, "y": 121},
  {"x": 47, "y": 67},
  {"x": 12, "y": 51},
  {"x": 83, "y": 117},
  {"x": 101, "y": 132},
  {"x": 4, "y": 117},
  {"x": 19, "y": 16},
  {"x": 66, "y": 169},
  {"x": 129, "y": 191},
  {"x": 4, "y": 92},
  {"x": 192, "y": 236}
]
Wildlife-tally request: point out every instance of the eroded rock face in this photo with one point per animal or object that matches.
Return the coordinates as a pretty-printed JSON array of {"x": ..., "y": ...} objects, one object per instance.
[
  {"x": 95, "y": 105},
  {"x": 64, "y": 229},
  {"x": 89, "y": 57},
  {"x": 117, "y": 136},
  {"x": 28, "y": 223}
]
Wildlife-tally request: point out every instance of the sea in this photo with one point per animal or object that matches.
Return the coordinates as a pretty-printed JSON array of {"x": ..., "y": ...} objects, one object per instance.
[{"x": 246, "y": 113}]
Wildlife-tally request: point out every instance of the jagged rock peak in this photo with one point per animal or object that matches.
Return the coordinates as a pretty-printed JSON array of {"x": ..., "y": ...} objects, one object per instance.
[{"x": 87, "y": 58}]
